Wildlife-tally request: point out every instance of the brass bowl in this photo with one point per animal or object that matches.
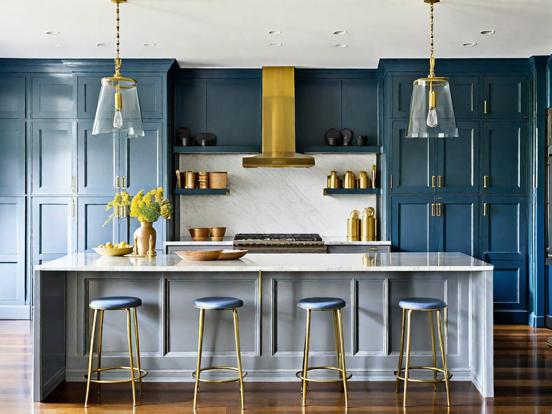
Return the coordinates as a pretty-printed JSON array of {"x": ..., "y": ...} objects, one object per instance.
[
  {"x": 199, "y": 233},
  {"x": 199, "y": 255},
  {"x": 217, "y": 233}
]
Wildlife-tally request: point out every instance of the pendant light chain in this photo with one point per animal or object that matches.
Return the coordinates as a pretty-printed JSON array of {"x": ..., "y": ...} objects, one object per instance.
[
  {"x": 117, "y": 40},
  {"x": 431, "y": 42}
]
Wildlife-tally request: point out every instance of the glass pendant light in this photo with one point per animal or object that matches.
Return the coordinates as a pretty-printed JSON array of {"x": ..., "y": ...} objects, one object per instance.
[
  {"x": 118, "y": 105},
  {"x": 431, "y": 109}
]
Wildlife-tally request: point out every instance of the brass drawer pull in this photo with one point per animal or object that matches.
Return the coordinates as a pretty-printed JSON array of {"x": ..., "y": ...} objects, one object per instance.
[{"x": 485, "y": 209}]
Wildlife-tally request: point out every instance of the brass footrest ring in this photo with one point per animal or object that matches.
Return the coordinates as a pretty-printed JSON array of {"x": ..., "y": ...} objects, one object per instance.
[
  {"x": 427, "y": 381},
  {"x": 299, "y": 374},
  {"x": 222, "y": 380},
  {"x": 139, "y": 374}
]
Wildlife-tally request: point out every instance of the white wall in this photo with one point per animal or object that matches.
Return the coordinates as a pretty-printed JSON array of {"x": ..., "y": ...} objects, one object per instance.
[{"x": 273, "y": 200}]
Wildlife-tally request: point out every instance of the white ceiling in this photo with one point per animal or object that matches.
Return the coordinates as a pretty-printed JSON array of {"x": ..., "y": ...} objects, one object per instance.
[{"x": 234, "y": 33}]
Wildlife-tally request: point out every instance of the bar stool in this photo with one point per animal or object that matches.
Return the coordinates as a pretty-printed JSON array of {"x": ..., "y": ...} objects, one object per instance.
[
  {"x": 324, "y": 304},
  {"x": 218, "y": 303},
  {"x": 100, "y": 305},
  {"x": 431, "y": 306}
]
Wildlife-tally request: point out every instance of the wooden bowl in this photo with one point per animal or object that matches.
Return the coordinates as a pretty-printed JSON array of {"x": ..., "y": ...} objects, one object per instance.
[
  {"x": 114, "y": 251},
  {"x": 232, "y": 254},
  {"x": 199, "y": 233},
  {"x": 199, "y": 255}
]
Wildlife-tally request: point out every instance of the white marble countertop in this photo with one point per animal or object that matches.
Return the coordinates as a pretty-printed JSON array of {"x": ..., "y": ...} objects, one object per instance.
[
  {"x": 328, "y": 240},
  {"x": 376, "y": 262}
]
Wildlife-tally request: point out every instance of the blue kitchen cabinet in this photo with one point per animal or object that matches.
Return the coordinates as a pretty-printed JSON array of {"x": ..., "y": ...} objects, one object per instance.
[
  {"x": 465, "y": 92},
  {"x": 505, "y": 97},
  {"x": 12, "y": 157},
  {"x": 12, "y": 96},
  {"x": 412, "y": 162},
  {"x": 455, "y": 225},
  {"x": 97, "y": 160},
  {"x": 88, "y": 92},
  {"x": 13, "y": 286},
  {"x": 503, "y": 157},
  {"x": 52, "y": 96},
  {"x": 503, "y": 239},
  {"x": 411, "y": 225},
  {"x": 53, "y": 228},
  {"x": 92, "y": 215},
  {"x": 401, "y": 93},
  {"x": 53, "y": 155},
  {"x": 456, "y": 160}
]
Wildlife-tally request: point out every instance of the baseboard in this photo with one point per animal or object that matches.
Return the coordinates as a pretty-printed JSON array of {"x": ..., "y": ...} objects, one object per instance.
[
  {"x": 536, "y": 321},
  {"x": 15, "y": 312},
  {"x": 511, "y": 317}
]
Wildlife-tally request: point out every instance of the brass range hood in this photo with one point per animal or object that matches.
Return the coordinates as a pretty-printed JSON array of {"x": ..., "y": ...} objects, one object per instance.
[{"x": 278, "y": 123}]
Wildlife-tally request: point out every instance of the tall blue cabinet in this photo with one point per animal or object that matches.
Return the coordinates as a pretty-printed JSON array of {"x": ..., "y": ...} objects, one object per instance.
[
  {"x": 55, "y": 177},
  {"x": 467, "y": 194}
]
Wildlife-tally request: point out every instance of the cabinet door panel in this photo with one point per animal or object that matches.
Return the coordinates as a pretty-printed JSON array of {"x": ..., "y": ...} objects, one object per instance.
[
  {"x": 97, "y": 159},
  {"x": 411, "y": 216},
  {"x": 465, "y": 96},
  {"x": 506, "y": 96},
  {"x": 52, "y": 228},
  {"x": 12, "y": 157},
  {"x": 504, "y": 156},
  {"x": 52, "y": 157},
  {"x": 12, "y": 96},
  {"x": 52, "y": 96},
  {"x": 458, "y": 160},
  {"x": 150, "y": 94},
  {"x": 456, "y": 228},
  {"x": 92, "y": 216},
  {"x": 12, "y": 254},
  {"x": 412, "y": 158},
  {"x": 142, "y": 159},
  {"x": 402, "y": 94},
  {"x": 88, "y": 92}
]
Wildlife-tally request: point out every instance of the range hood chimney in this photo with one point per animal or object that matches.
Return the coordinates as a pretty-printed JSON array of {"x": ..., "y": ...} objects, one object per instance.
[{"x": 278, "y": 149}]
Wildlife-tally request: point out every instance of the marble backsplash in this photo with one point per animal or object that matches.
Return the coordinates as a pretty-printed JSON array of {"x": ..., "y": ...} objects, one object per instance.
[{"x": 273, "y": 200}]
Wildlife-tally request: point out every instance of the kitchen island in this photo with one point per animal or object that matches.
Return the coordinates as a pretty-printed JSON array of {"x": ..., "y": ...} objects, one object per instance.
[{"x": 271, "y": 325}]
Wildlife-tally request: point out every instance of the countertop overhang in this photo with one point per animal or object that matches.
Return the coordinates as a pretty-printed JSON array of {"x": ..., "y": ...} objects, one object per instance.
[{"x": 371, "y": 262}]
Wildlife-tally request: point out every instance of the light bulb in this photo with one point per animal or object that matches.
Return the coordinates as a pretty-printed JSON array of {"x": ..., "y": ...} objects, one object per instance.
[
  {"x": 118, "y": 120},
  {"x": 432, "y": 120}
]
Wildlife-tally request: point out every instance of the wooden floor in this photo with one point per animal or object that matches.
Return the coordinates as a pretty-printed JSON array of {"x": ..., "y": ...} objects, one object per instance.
[{"x": 523, "y": 384}]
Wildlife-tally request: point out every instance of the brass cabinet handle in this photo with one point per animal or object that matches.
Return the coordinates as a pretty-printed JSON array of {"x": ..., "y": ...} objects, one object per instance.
[
  {"x": 439, "y": 209},
  {"x": 486, "y": 181},
  {"x": 433, "y": 181},
  {"x": 117, "y": 180},
  {"x": 440, "y": 181},
  {"x": 124, "y": 180},
  {"x": 432, "y": 209},
  {"x": 73, "y": 184},
  {"x": 485, "y": 106},
  {"x": 485, "y": 209}
]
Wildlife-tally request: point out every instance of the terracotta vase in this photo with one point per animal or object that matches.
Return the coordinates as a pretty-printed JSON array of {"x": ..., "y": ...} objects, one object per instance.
[{"x": 142, "y": 237}]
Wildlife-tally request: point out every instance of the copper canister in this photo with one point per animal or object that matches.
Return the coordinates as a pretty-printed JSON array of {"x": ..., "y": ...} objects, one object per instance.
[
  {"x": 353, "y": 226},
  {"x": 203, "y": 180},
  {"x": 191, "y": 178},
  {"x": 333, "y": 180},
  {"x": 363, "y": 180},
  {"x": 349, "y": 181},
  {"x": 368, "y": 225}
]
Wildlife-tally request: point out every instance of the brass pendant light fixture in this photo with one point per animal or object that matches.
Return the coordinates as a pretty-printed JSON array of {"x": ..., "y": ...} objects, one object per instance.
[
  {"x": 431, "y": 109},
  {"x": 118, "y": 105}
]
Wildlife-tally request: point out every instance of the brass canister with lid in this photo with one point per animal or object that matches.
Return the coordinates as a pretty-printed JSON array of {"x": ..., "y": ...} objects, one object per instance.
[
  {"x": 349, "y": 181},
  {"x": 363, "y": 180},
  {"x": 368, "y": 225},
  {"x": 353, "y": 226},
  {"x": 333, "y": 180}
]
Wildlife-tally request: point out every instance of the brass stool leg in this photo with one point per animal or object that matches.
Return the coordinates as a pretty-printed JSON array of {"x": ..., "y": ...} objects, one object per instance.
[
  {"x": 90, "y": 355},
  {"x": 238, "y": 355},
  {"x": 407, "y": 363},
  {"x": 433, "y": 355},
  {"x": 398, "y": 384},
  {"x": 337, "y": 344},
  {"x": 137, "y": 340},
  {"x": 342, "y": 352},
  {"x": 199, "y": 351},
  {"x": 131, "y": 358},
  {"x": 443, "y": 354},
  {"x": 306, "y": 357}
]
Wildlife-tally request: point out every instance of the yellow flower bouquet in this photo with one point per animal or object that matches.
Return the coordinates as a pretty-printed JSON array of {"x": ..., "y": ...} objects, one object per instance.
[{"x": 150, "y": 206}]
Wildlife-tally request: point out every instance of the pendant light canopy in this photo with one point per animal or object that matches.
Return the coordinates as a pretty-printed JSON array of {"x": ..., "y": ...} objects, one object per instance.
[
  {"x": 118, "y": 105},
  {"x": 431, "y": 109}
]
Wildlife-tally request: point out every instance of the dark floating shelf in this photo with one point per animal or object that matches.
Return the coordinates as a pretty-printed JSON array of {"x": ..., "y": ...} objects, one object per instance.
[
  {"x": 343, "y": 149},
  {"x": 340, "y": 191},
  {"x": 218, "y": 149},
  {"x": 198, "y": 191}
]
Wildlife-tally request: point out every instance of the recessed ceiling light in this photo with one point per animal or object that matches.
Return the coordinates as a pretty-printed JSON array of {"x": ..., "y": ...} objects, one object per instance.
[
  {"x": 274, "y": 32},
  {"x": 469, "y": 44},
  {"x": 100, "y": 44},
  {"x": 341, "y": 45},
  {"x": 51, "y": 32},
  {"x": 488, "y": 32},
  {"x": 150, "y": 44},
  {"x": 340, "y": 32},
  {"x": 276, "y": 44}
]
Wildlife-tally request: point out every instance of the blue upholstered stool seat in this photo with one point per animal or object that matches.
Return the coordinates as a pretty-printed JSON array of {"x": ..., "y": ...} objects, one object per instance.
[
  {"x": 218, "y": 303},
  {"x": 321, "y": 303},
  {"x": 422, "y": 303},
  {"x": 115, "y": 302}
]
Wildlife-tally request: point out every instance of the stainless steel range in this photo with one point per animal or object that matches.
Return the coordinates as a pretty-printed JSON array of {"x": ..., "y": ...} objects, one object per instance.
[{"x": 280, "y": 243}]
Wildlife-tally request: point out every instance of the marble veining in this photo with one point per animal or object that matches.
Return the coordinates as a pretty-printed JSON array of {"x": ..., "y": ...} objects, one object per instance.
[
  {"x": 370, "y": 262},
  {"x": 275, "y": 200}
]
